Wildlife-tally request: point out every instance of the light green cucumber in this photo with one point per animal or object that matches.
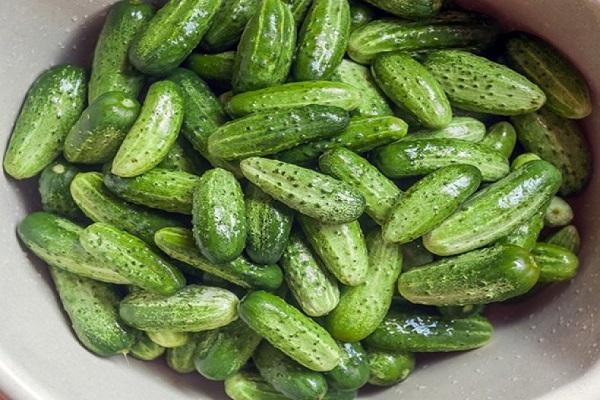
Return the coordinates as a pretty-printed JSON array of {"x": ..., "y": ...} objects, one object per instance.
[
  {"x": 501, "y": 137},
  {"x": 248, "y": 385},
  {"x": 181, "y": 358},
  {"x": 409, "y": 9},
  {"x": 523, "y": 159},
  {"x": 526, "y": 234},
  {"x": 556, "y": 263},
  {"x": 360, "y": 14},
  {"x": 169, "y": 339},
  {"x": 388, "y": 367},
  {"x": 558, "y": 213},
  {"x": 228, "y": 24},
  {"x": 463, "y": 128},
  {"x": 145, "y": 349},
  {"x": 213, "y": 67},
  {"x": 567, "y": 237},
  {"x": 352, "y": 373},
  {"x": 53, "y": 186}
]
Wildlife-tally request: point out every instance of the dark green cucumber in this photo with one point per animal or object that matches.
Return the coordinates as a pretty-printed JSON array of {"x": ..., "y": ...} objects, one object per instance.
[
  {"x": 360, "y": 14},
  {"x": 409, "y": 9},
  {"x": 558, "y": 213},
  {"x": 309, "y": 192},
  {"x": 213, "y": 67},
  {"x": 182, "y": 157},
  {"x": 501, "y": 137},
  {"x": 566, "y": 89},
  {"x": 171, "y": 35},
  {"x": 299, "y": 9},
  {"x": 556, "y": 263},
  {"x": 389, "y": 367},
  {"x": 228, "y": 24},
  {"x": 415, "y": 254},
  {"x": 523, "y": 159},
  {"x": 362, "y": 308},
  {"x": 380, "y": 193},
  {"x": 193, "y": 309},
  {"x": 169, "y": 339},
  {"x": 423, "y": 156},
  {"x": 145, "y": 349},
  {"x": 461, "y": 311},
  {"x": 526, "y": 234},
  {"x": 54, "y": 184},
  {"x": 567, "y": 237},
  {"x": 52, "y": 105},
  {"x": 265, "y": 51},
  {"x": 352, "y": 373},
  {"x": 92, "y": 309},
  {"x": 250, "y": 386},
  {"x": 268, "y": 226},
  {"x": 558, "y": 141},
  {"x": 447, "y": 188},
  {"x": 412, "y": 88},
  {"x": 322, "y": 40},
  {"x": 286, "y": 328},
  {"x": 463, "y": 128},
  {"x": 181, "y": 358}
]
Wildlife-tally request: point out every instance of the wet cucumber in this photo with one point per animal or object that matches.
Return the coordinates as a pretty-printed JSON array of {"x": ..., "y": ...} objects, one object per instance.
[
  {"x": 228, "y": 24},
  {"x": 145, "y": 349},
  {"x": 182, "y": 157},
  {"x": 213, "y": 67},
  {"x": 53, "y": 186},
  {"x": 181, "y": 358},
  {"x": 52, "y": 105},
  {"x": 526, "y": 234},
  {"x": 388, "y": 367},
  {"x": 523, "y": 159},
  {"x": 556, "y": 263},
  {"x": 360, "y": 14},
  {"x": 248, "y": 385},
  {"x": 169, "y": 339},
  {"x": 352, "y": 373},
  {"x": 567, "y": 237},
  {"x": 463, "y": 128},
  {"x": 558, "y": 213},
  {"x": 409, "y": 9},
  {"x": 501, "y": 137}
]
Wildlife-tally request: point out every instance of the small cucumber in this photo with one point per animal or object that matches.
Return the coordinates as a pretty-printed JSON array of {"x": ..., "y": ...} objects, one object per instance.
[
  {"x": 415, "y": 255},
  {"x": 52, "y": 105},
  {"x": 475, "y": 83},
  {"x": 412, "y": 88},
  {"x": 341, "y": 247},
  {"x": 463, "y": 128},
  {"x": 423, "y": 156},
  {"x": 292, "y": 332},
  {"x": 526, "y": 234},
  {"x": 388, "y": 367},
  {"x": 169, "y": 339},
  {"x": 556, "y": 263},
  {"x": 322, "y": 40},
  {"x": 250, "y": 386},
  {"x": 363, "y": 307},
  {"x": 228, "y": 24},
  {"x": 182, "y": 157},
  {"x": 171, "y": 35},
  {"x": 213, "y": 67},
  {"x": 380, "y": 193},
  {"x": 447, "y": 188},
  {"x": 501, "y": 137},
  {"x": 360, "y": 14},
  {"x": 567, "y": 237},
  {"x": 409, "y": 9},
  {"x": 558, "y": 213},
  {"x": 457, "y": 312},
  {"x": 309, "y": 192},
  {"x": 145, "y": 349},
  {"x": 54, "y": 184},
  {"x": 352, "y": 373},
  {"x": 194, "y": 308},
  {"x": 523, "y": 159},
  {"x": 314, "y": 289},
  {"x": 566, "y": 89},
  {"x": 92, "y": 309},
  {"x": 181, "y": 358},
  {"x": 265, "y": 51}
]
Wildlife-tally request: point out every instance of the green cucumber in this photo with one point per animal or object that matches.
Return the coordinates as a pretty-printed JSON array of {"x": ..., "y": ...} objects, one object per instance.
[
  {"x": 213, "y": 67},
  {"x": 380, "y": 193},
  {"x": 526, "y": 234},
  {"x": 360, "y": 14},
  {"x": 250, "y": 386},
  {"x": 447, "y": 188},
  {"x": 556, "y": 263},
  {"x": 415, "y": 254},
  {"x": 474, "y": 83},
  {"x": 409, "y": 9},
  {"x": 362, "y": 308},
  {"x": 567, "y": 237},
  {"x": 92, "y": 309},
  {"x": 322, "y": 40},
  {"x": 169, "y": 339},
  {"x": 352, "y": 373},
  {"x": 412, "y": 88},
  {"x": 558, "y": 213},
  {"x": 463, "y": 128},
  {"x": 501, "y": 137},
  {"x": 182, "y": 157},
  {"x": 461, "y": 311},
  {"x": 265, "y": 51},
  {"x": 171, "y": 35},
  {"x": 523, "y": 159},
  {"x": 181, "y": 358},
  {"x": 315, "y": 291},
  {"x": 53, "y": 186},
  {"x": 566, "y": 89},
  {"x": 423, "y": 156},
  {"x": 286, "y": 328},
  {"x": 52, "y": 105},
  {"x": 145, "y": 349},
  {"x": 228, "y": 24},
  {"x": 388, "y": 367},
  {"x": 309, "y": 192},
  {"x": 192, "y": 309}
]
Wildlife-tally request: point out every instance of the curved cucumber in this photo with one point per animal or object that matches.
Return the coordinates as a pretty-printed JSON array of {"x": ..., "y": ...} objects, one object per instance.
[
  {"x": 463, "y": 128},
  {"x": 213, "y": 67},
  {"x": 501, "y": 137},
  {"x": 250, "y": 386},
  {"x": 54, "y": 184},
  {"x": 558, "y": 213},
  {"x": 556, "y": 263},
  {"x": 145, "y": 349},
  {"x": 228, "y": 24},
  {"x": 388, "y": 368},
  {"x": 409, "y": 9},
  {"x": 169, "y": 339},
  {"x": 526, "y": 234},
  {"x": 567, "y": 237},
  {"x": 352, "y": 373}
]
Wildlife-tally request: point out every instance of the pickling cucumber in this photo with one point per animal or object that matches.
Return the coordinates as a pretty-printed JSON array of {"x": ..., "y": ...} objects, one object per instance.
[
  {"x": 409, "y": 9},
  {"x": 501, "y": 137},
  {"x": 567, "y": 237},
  {"x": 184, "y": 158},
  {"x": 169, "y": 339},
  {"x": 526, "y": 234},
  {"x": 360, "y": 14},
  {"x": 523, "y": 159},
  {"x": 145, "y": 349},
  {"x": 181, "y": 358},
  {"x": 53, "y": 186},
  {"x": 352, "y": 373},
  {"x": 463, "y": 128},
  {"x": 228, "y": 24},
  {"x": 558, "y": 213},
  {"x": 213, "y": 67},
  {"x": 388, "y": 367},
  {"x": 556, "y": 263},
  {"x": 248, "y": 385}
]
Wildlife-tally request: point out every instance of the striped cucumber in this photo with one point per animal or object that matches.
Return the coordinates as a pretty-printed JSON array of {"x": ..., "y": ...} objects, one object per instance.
[
  {"x": 567, "y": 237},
  {"x": 352, "y": 373},
  {"x": 145, "y": 349},
  {"x": 53, "y": 186},
  {"x": 169, "y": 339},
  {"x": 558, "y": 213},
  {"x": 213, "y": 67},
  {"x": 501, "y": 137},
  {"x": 389, "y": 367},
  {"x": 556, "y": 263},
  {"x": 360, "y": 14},
  {"x": 248, "y": 385},
  {"x": 181, "y": 358},
  {"x": 463, "y": 128},
  {"x": 228, "y": 24},
  {"x": 409, "y": 9},
  {"x": 523, "y": 159}
]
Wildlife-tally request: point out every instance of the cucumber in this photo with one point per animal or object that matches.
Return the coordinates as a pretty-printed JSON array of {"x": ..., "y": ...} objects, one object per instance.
[
  {"x": 380, "y": 193},
  {"x": 171, "y": 35},
  {"x": 54, "y": 185},
  {"x": 363, "y": 134},
  {"x": 481, "y": 276},
  {"x": 501, "y": 137},
  {"x": 558, "y": 141},
  {"x": 341, "y": 247},
  {"x": 373, "y": 103},
  {"x": 92, "y": 309},
  {"x": 322, "y": 40},
  {"x": 388, "y": 367},
  {"x": 212, "y": 67},
  {"x": 423, "y": 333},
  {"x": 226, "y": 351},
  {"x": 352, "y": 373},
  {"x": 523, "y": 159},
  {"x": 409, "y": 9},
  {"x": 566, "y": 89},
  {"x": 270, "y": 132},
  {"x": 567, "y": 237},
  {"x": 182, "y": 157},
  {"x": 52, "y": 105},
  {"x": 447, "y": 188},
  {"x": 526, "y": 234},
  {"x": 556, "y": 263},
  {"x": 294, "y": 94},
  {"x": 362, "y": 308},
  {"x": 145, "y": 349},
  {"x": 192, "y": 309},
  {"x": 415, "y": 254},
  {"x": 181, "y": 358},
  {"x": 299, "y": 9},
  {"x": 219, "y": 216},
  {"x": 265, "y": 51},
  {"x": 423, "y": 156},
  {"x": 250, "y": 386},
  {"x": 169, "y": 339},
  {"x": 111, "y": 70},
  {"x": 475, "y": 83},
  {"x": 360, "y": 14},
  {"x": 463, "y": 128},
  {"x": 286, "y": 328},
  {"x": 228, "y": 24},
  {"x": 311, "y": 193},
  {"x": 558, "y": 213},
  {"x": 268, "y": 226},
  {"x": 132, "y": 258},
  {"x": 412, "y": 88},
  {"x": 465, "y": 311},
  {"x": 315, "y": 291}
]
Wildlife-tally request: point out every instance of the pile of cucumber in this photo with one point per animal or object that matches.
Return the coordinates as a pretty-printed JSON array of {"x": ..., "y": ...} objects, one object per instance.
[{"x": 371, "y": 176}]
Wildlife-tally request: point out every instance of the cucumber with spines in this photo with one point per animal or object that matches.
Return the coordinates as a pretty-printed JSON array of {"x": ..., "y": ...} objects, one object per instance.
[
  {"x": 567, "y": 237},
  {"x": 463, "y": 128}
]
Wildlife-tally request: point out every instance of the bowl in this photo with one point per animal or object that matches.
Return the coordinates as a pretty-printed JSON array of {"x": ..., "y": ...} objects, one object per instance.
[{"x": 547, "y": 348}]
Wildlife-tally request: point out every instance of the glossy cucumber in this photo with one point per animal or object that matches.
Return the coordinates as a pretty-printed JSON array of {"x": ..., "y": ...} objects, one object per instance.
[
  {"x": 169, "y": 339},
  {"x": 228, "y": 24},
  {"x": 409, "y": 9},
  {"x": 352, "y": 373},
  {"x": 556, "y": 263},
  {"x": 145, "y": 349},
  {"x": 181, "y": 358},
  {"x": 213, "y": 67},
  {"x": 182, "y": 157},
  {"x": 463, "y": 128},
  {"x": 250, "y": 386},
  {"x": 523, "y": 159},
  {"x": 501, "y": 137},
  {"x": 558, "y": 213},
  {"x": 388, "y": 367},
  {"x": 567, "y": 237},
  {"x": 526, "y": 234},
  {"x": 53, "y": 186},
  {"x": 360, "y": 14}
]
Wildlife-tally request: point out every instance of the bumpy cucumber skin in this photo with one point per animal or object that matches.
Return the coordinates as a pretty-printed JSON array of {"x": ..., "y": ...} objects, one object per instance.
[
  {"x": 286, "y": 328},
  {"x": 388, "y": 368},
  {"x": 412, "y": 88},
  {"x": 501, "y": 137},
  {"x": 423, "y": 156},
  {"x": 566, "y": 89},
  {"x": 567, "y": 237},
  {"x": 228, "y": 24},
  {"x": 463, "y": 128},
  {"x": 417, "y": 332},
  {"x": 181, "y": 358},
  {"x": 409, "y": 9},
  {"x": 54, "y": 184},
  {"x": 169, "y": 339},
  {"x": 556, "y": 263},
  {"x": 250, "y": 386},
  {"x": 92, "y": 309},
  {"x": 145, "y": 349},
  {"x": 100, "y": 205},
  {"x": 171, "y": 35},
  {"x": 322, "y": 40},
  {"x": 475, "y": 83},
  {"x": 526, "y": 234},
  {"x": 52, "y": 105},
  {"x": 558, "y": 213},
  {"x": 362, "y": 308},
  {"x": 352, "y": 373},
  {"x": 447, "y": 188},
  {"x": 380, "y": 193},
  {"x": 558, "y": 141},
  {"x": 212, "y": 67},
  {"x": 192, "y": 309},
  {"x": 288, "y": 377},
  {"x": 265, "y": 51}
]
